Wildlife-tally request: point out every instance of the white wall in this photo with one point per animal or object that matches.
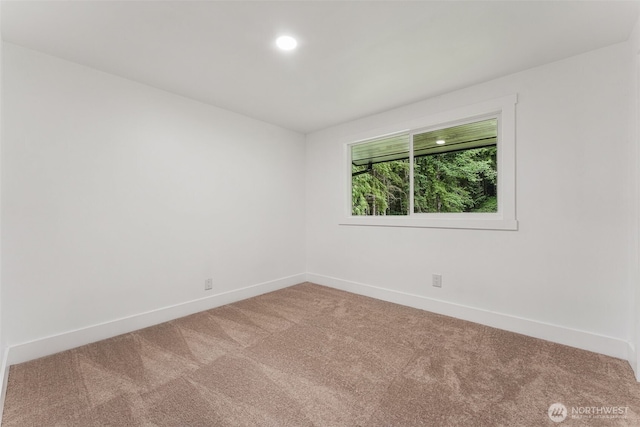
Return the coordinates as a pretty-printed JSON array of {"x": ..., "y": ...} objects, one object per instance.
[
  {"x": 563, "y": 275},
  {"x": 119, "y": 199},
  {"x": 634, "y": 196},
  {"x": 4, "y": 372}
]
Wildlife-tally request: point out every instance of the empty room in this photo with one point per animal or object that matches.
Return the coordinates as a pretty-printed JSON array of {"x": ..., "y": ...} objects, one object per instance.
[{"x": 320, "y": 213}]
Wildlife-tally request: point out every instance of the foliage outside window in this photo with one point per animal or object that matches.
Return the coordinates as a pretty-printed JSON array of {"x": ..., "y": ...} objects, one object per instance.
[{"x": 452, "y": 169}]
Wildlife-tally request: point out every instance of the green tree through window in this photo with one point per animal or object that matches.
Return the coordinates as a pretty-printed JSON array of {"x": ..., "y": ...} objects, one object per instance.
[
  {"x": 461, "y": 181},
  {"x": 381, "y": 189}
]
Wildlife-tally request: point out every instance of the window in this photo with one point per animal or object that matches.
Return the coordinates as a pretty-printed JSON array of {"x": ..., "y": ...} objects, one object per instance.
[{"x": 454, "y": 171}]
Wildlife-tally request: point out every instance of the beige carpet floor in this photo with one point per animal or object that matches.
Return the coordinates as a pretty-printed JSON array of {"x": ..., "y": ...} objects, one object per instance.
[{"x": 315, "y": 356}]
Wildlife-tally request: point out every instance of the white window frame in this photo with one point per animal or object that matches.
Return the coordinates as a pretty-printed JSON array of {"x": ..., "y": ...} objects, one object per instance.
[{"x": 504, "y": 219}]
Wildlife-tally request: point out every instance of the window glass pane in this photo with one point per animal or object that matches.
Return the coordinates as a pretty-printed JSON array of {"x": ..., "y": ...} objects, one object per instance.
[
  {"x": 380, "y": 176},
  {"x": 455, "y": 169}
]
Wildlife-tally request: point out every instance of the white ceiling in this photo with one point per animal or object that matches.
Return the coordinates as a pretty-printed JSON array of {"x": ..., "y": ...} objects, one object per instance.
[{"x": 354, "y": 58}]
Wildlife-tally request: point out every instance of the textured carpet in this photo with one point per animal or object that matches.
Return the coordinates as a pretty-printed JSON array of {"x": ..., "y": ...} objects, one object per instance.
[{"x": 311, "y": 355}]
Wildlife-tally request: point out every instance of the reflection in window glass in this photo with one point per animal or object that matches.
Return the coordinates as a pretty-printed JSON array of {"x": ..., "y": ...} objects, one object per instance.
[
  {"x": 455, "y": 169},
  {"x": 380, "y": 176}
]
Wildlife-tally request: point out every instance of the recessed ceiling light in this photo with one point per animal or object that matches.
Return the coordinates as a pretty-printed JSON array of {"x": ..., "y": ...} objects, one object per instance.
[
  {"x": 440, "y": 142},
  {"x": 286, "y": 43}
]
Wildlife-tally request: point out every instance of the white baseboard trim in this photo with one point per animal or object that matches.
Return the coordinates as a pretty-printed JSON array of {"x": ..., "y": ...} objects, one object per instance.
[
  {"x": 23, "y": 352},
  {"x": 575, "y": 338},
  {"x": 631, "y": 358},
  {"x": 4, "y": 375}
]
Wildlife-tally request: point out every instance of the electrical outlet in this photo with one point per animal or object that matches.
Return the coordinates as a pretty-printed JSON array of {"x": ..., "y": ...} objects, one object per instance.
[
  {"x": 208, "y": 284},
  {"x": 437, "y": 280}
]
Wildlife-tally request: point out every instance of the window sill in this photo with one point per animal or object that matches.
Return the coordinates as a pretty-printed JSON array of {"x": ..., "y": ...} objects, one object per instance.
[{"x": 486, "y": 222}]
